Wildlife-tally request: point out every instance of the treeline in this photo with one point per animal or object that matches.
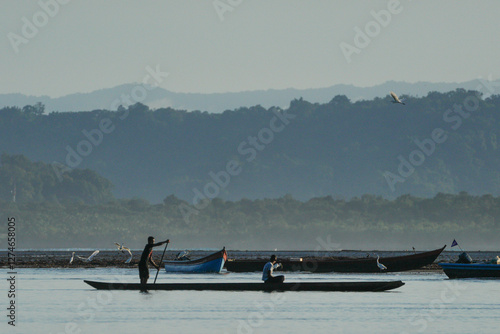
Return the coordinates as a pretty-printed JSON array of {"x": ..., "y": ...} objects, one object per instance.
[
  {"x": 80, "y": 211},
  {"x": 322, "y": 223},
  {"x": 284, "y": 223},
  {"x": 443, "y": 142}
]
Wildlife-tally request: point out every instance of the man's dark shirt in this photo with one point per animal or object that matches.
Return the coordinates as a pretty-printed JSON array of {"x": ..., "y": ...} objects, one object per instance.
[{"x": 146, "y": 254}]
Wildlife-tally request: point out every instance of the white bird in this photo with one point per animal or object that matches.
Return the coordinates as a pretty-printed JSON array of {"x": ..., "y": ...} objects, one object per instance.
[
  {"x": 182, "y": 256},
  {"x": 396, "y": 98},
  {"x": 90, "y": 258},
  {"x": 72, "y": 257},
  {"x": 122, "y": 249},
  {"x": 380, "y": 265}
]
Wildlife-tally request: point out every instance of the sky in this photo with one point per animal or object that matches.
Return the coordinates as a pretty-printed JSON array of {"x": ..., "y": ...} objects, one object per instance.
[{"x": 59, "y": 47}]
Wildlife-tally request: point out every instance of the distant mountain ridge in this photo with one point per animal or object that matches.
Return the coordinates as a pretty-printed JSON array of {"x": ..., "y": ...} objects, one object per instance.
[{"x": 110, "y": 98}]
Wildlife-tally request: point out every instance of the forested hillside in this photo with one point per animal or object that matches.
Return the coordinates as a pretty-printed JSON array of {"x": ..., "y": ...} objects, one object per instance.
[
  {"x": 443, "y": 142},
  {"x": 23, "y": 181}
]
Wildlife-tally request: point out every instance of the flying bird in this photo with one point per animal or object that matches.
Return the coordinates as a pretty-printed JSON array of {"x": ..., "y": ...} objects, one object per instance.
[
  {"x": 396, "y": 98},
  {"x": 182, "y": 256},
  {"x": 122, "y": 249},
  {"x": 90, "y": 258},
  {"x": 72, "y": 258},
  {"x": 130, "y": 258},
  {"x": 380, "y": 265}
]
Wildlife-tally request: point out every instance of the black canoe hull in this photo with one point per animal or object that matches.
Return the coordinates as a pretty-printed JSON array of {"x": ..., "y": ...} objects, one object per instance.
[
  {"x": 361, "y": 265},
  {"x": 298, "y": 286}
]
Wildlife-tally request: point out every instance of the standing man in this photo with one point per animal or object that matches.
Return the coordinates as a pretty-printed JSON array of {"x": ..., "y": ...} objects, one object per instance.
[
  {"x": 267, "y": 274},
  {"x": 147, "y": 256}
]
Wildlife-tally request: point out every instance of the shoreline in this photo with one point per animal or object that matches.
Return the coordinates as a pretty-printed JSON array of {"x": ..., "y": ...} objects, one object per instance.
[{"x": 113, "y": 258}]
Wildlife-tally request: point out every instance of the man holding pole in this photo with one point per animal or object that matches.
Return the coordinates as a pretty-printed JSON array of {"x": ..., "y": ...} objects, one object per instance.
[{"x": 147, "y": 256}]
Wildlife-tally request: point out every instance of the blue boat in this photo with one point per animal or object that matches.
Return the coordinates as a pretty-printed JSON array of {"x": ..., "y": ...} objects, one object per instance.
[
  {"x": 212, "y": 263},
  {"x": 471, "y": 270}
]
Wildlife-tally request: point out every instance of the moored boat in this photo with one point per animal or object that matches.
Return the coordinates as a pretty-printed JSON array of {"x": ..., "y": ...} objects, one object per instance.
[
  {"x": 360, "y": 265},
  {"x": 212, "y": 263},
  {"x": 373, "y": 286},
  {"x": 471, "y": 270}
]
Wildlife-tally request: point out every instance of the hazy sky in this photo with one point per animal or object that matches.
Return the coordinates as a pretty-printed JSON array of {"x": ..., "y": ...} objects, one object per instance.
[{"x": 236, "y": 45}]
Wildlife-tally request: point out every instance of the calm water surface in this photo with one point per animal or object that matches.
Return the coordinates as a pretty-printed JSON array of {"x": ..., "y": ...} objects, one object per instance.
[{"x": 57, "y": 301}]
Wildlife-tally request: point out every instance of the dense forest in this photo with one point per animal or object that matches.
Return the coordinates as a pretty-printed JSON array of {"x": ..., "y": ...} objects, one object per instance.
[
  {"x": 80, "y": 211},
  {"x": 442, "y": 142}
]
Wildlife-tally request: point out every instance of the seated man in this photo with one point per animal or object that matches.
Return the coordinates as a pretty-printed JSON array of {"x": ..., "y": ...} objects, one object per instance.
[{"x": 267, "y": 274}]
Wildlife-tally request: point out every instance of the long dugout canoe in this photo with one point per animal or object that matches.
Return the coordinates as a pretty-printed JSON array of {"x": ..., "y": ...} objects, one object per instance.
[
  {"x": 360, "y": 265},
  {"x": 297, "y": 286}
]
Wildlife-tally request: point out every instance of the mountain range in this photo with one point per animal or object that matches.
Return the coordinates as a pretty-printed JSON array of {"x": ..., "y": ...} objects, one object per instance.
[{"x": 157, "y": 97}]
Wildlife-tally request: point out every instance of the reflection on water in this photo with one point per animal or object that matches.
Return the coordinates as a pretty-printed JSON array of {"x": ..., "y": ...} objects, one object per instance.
[{"x": 57, "y": 301}]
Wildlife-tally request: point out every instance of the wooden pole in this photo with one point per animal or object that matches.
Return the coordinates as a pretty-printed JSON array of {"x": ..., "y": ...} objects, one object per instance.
[{"x": 159, "y": 266}]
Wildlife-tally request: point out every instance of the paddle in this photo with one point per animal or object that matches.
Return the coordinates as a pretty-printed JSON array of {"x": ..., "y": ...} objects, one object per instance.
[{"x": 166, "y": 244}]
